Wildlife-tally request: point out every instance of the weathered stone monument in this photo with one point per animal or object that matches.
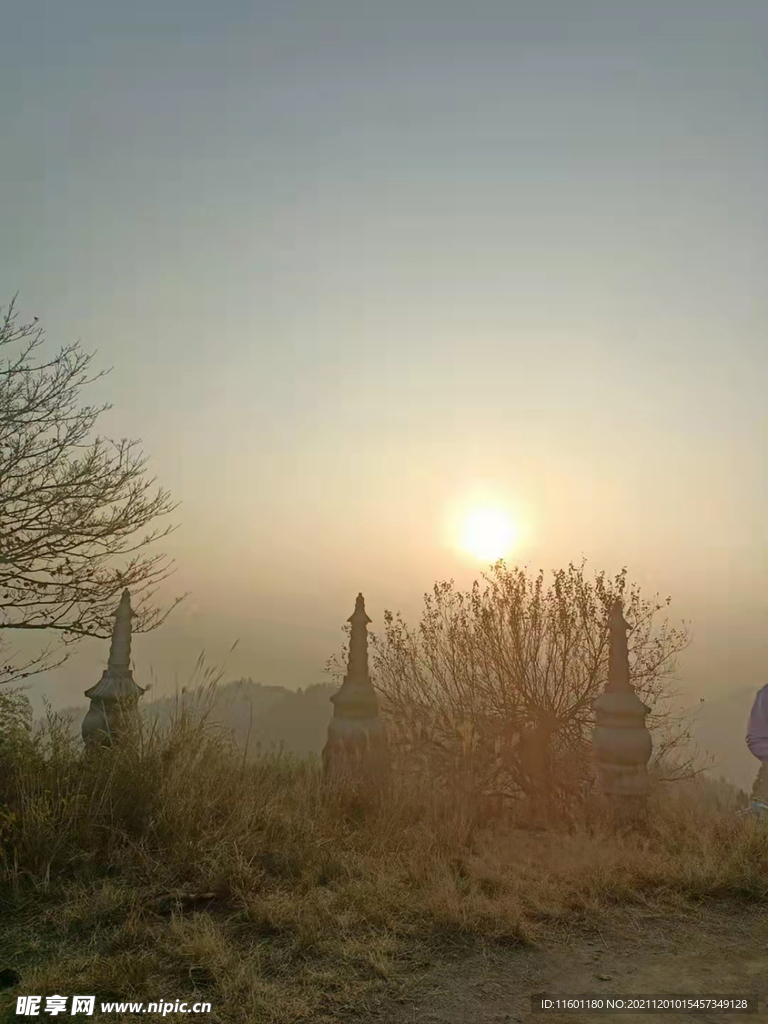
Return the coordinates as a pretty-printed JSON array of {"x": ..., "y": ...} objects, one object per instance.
[
  {"x": 114, "y": 699},
  {"x": 356, "y": 737},
  {"x": 621, "y": 742}
]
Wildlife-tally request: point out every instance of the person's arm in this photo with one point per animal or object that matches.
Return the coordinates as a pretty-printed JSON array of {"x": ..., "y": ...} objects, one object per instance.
[{"x": 757, "y": 727}]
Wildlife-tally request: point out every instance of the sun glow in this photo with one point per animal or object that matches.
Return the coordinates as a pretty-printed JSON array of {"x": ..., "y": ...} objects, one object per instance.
[{"x": 487, "y": 534}]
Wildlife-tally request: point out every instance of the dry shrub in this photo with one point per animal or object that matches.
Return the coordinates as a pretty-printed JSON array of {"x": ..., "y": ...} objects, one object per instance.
[{"x": 492, "y": 692}]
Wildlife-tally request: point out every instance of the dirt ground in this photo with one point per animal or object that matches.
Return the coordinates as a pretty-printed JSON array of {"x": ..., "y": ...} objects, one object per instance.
[{"x": 710, "y": 951}]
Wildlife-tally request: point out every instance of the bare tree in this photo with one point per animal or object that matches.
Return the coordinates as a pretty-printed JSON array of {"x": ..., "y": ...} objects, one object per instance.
[
  {"x": 73, "y": 507},
  {"x": 496, "y": 685}
]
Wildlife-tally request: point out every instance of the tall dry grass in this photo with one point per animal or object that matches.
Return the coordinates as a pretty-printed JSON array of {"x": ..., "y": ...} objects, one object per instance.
[{"x": 174, "y": 862}]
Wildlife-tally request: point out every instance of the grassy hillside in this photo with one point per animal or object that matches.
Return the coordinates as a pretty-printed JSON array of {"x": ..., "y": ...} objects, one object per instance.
[{"x": 173, "y": 866}]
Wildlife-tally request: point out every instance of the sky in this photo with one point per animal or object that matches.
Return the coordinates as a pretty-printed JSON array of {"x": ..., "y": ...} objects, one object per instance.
[{"x": 353, "y": 263}]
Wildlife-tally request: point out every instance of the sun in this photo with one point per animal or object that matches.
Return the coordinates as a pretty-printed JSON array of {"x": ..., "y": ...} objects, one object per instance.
[{"x": 487, "y": 533}]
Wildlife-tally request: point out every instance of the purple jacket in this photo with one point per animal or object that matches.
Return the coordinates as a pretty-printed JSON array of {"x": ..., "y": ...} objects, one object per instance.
[{"x": 757, "y": 727}]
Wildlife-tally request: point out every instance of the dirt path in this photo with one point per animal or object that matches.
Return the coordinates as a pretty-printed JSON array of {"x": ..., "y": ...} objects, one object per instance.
[{"x": 707, "y": 952}]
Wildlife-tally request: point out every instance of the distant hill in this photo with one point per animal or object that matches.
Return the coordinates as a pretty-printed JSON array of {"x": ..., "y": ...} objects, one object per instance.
[
  {"x": 297, "y": 720},
  {"x": 260, "y": 715}
]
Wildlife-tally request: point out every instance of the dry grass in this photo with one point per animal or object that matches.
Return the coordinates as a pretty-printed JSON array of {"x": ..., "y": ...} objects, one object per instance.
[{"x": 174, "y": 866}]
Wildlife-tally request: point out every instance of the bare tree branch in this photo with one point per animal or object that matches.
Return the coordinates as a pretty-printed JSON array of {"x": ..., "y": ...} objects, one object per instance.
[{"x": 77, "y": 511}]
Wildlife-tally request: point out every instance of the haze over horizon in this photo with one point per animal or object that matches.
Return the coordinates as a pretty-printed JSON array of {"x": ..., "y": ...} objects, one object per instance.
[{"x": 351, "y": 262}]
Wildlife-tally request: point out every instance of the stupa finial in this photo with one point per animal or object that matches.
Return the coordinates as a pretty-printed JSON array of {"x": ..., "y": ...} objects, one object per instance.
[
  {"x": 357, "y": 663},
  {"x": 618, "y": 651},
  {"x": 120, "y": 648}
]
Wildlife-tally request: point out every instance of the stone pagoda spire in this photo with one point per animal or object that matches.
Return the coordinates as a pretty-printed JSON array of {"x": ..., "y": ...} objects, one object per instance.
[
  {"x": 115, "y": 697},
  {"x": 119, "y": 660},
  {"x": 618, "y": 651},
  {"x": 356, "y": 734},
  {"x": 621, "y": 742}
]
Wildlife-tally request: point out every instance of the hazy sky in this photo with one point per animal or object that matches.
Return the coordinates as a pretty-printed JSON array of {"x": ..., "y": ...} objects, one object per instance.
[{"x": 348, "y": 259}]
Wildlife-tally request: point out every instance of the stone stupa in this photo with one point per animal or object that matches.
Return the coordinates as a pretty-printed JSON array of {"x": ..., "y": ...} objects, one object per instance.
[
  {"x": 114, "y": 699},
  {"x": 356, "y": 736},
  {"x": 621, "y": 742}
]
